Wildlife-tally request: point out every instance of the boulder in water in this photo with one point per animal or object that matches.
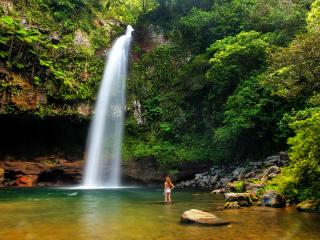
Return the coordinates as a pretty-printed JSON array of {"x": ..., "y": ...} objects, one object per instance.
[
  {"x": 243, "y": 199},
  {"x": 197, "y": 216},
  {"x": 272, "y": 198},
  {"x": 232, "y": 205},
  {"x": 310, "y": 205}
]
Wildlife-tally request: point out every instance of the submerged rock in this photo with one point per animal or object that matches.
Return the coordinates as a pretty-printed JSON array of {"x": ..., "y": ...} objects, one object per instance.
[
  {"x": 272, "y": 198},
  {"x": 310, "y": 205},
  {"x": 243, "y": 199},
  {"x": 232, "y": 205},
  {"x": 197, "y": 216}
]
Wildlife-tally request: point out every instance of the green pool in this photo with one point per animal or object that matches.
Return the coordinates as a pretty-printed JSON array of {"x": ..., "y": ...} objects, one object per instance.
[{"x": 136, "y": 214}]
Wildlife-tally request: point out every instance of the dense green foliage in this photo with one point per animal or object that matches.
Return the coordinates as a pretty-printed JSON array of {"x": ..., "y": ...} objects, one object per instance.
[
  {"x": 294, "y": 75},
  {"x": 57, "y": 46},
  {"x": 229, "y": 84},
  {"x": 228, "y": 81}
]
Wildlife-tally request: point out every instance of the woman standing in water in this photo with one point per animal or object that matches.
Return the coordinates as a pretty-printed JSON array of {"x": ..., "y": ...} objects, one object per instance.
[{"x": 168, "y": 186}]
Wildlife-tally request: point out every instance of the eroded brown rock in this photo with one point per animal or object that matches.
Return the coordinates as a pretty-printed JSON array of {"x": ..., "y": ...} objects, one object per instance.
[
  {"x": 26, "y": 180},
  {"x": 197, "y": 216},
  {"x": 22, "y": 173}
]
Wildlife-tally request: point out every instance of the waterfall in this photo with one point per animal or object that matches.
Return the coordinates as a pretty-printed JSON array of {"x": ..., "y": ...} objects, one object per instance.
[{"x": 103, "y": 156}]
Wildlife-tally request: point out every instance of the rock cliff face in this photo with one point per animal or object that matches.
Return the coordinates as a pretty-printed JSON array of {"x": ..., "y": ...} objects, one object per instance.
[
  {"x": 41, "y": 173},
  {"x": 60, "y": 172}
]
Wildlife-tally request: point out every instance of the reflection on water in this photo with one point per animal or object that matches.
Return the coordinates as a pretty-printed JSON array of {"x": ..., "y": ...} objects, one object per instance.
[{"x": 135, "y": 214}]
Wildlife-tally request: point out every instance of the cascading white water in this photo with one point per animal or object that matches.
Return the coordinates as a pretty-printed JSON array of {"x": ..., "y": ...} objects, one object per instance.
[{"x": 105, "y": 135}]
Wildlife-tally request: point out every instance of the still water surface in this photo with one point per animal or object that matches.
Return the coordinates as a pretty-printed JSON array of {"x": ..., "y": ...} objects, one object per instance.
[{"x": 138, "y": 214}]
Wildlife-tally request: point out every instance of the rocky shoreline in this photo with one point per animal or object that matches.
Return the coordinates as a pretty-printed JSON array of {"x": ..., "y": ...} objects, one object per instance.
[
  {"x": 59, "y": 171},
  {"x": 243, "y": 185},
  {"x": 248, "y": 176}
]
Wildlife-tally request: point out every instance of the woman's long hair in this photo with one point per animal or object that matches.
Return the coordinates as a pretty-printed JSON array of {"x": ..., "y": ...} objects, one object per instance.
[{"x": 168, "y": 181}]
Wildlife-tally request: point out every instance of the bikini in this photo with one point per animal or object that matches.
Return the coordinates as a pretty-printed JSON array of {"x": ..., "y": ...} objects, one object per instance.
[{"x": 167, "y": 189}]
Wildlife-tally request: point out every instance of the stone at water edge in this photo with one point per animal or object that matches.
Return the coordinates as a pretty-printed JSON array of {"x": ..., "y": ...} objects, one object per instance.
[
  {"x": 205, "y": 218},
  {"x": 272, "y": 198},
  {"x": 217, "y": 191},
  {"x": 310, "y": 205},
  {"x": 243, "y": 199},
  {"x": 232, "y": 205}
]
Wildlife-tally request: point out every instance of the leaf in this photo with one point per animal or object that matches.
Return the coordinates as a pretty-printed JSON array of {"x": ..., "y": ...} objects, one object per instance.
[
  {"x": 45, "y": 63},
  {"x": 4, "y": 40},
  {"x": 3, "y": 54}
]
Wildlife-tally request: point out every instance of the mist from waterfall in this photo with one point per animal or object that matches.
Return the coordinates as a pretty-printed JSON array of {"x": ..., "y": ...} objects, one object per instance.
[{"x": 103, "y": 156}]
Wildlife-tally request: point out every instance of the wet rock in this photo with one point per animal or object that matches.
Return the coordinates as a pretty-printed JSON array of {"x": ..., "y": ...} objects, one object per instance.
[
  {"x": 279, "y": 160},
  {"x": 256, "y": 164},
  {"x": 202, "y": 217},
  {"x": 26, "y": 180},
  {"x": 250, "y": 175},
  {"x": 81, "y": 38},
  {"x": 238, "y": 173},
  {"x": 284, "y": 158},
  {"x": 220, "y": 177},
  {"x": 271, "y": 170},
  {"x": 272, "y": 198},
  {"x": 310, "y": 205},
  {"x": 197, "y": 176},
  {"x": 224, "y": 181},
  {"x": 243, "y": 199},
  {"x": 232, "y": 205},
  {"x": 214, "y": 179},
  {"x": 217, "y": 191}
]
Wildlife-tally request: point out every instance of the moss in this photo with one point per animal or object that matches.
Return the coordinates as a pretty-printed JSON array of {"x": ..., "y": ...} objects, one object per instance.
[
  {"x": 44, "y": 50},
  {"x": 239, "y": 186}
]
